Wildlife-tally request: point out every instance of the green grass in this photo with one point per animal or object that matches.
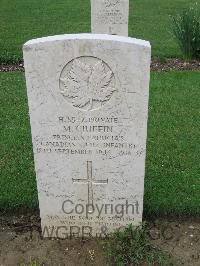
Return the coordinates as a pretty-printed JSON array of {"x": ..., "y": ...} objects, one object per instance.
[
  {"x": 132, "y": 246},
  {"x": 17, "y": 178},
  {"x": 172, "y": 183},
  {"x": 32, "y": 262},
  {"x": 22, "y": 20}
]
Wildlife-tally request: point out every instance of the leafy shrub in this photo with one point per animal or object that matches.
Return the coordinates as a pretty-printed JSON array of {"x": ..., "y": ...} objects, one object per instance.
[
  {"x": 186, "y": 28},
  {"x": 133, "y": 247}
]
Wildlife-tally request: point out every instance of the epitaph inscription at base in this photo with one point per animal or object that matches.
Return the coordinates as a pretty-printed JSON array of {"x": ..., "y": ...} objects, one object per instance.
[{"x": 88, "y": 104}]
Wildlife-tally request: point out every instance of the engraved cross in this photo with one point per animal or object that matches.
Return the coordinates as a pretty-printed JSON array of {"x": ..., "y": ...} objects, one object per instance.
[{"x": 90, "y": 181}]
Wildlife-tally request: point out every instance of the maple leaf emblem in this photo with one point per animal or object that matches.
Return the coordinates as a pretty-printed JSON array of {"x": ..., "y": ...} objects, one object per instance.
[
  {"x": 109, "y": 3},
  {"x": 86, "y": 84}
]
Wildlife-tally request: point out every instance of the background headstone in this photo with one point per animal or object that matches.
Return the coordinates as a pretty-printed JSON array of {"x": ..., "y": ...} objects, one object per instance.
[
  {"x": 110, "y": 16},
  {"x": 88, "y": 104}
]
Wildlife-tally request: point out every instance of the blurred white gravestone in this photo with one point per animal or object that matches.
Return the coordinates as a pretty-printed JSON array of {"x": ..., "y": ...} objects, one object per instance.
[
  {"x": 110, "y": 16},
  {"x": 88, "y": 105}
]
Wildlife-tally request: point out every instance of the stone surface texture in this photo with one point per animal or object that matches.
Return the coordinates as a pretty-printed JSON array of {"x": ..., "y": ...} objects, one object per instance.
[
  {"x": 88, "y": 105},
  {"x": 110, "y": 16}
]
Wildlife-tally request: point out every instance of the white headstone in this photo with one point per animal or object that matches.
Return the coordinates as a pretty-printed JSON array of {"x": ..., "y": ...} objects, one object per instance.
[
  {"x": 110, "y": 16},
  {"x": 88, "y": 104}
]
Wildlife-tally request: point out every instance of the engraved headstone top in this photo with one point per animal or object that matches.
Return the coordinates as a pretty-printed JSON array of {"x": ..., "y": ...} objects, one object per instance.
[
  {"x": 88, "y": 105},
  {"x": 110, "y": 16}
]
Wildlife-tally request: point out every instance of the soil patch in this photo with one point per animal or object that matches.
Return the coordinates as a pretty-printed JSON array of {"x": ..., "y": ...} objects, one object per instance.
[
  {"x": 171, "y": 64},
  {"x": 20, "y": 240},
  {"x": 166, "y": 64},
  {"x": 12, "y": 67}
]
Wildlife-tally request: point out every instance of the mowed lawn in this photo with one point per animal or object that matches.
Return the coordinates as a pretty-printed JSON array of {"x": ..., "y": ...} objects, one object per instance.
[
  {"x": 22, "y": 20},
  {"x": 172, "y": 183}
]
